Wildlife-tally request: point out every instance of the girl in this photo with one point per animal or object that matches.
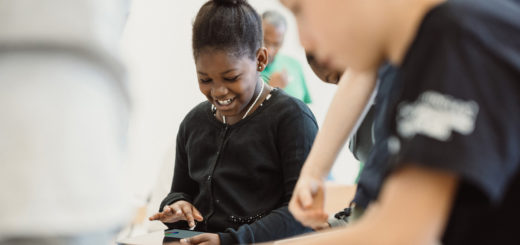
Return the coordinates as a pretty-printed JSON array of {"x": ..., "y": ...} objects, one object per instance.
[
  {"x": 452, "y": 132},
  {"x": 240, "y": 152}
]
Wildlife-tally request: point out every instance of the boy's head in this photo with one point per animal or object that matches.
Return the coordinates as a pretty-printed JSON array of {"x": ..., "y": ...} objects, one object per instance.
[
  {"x": 342, "y": 33},
  {"x": 228, "y": 52},
  {"x": 323, "y": 72},
  {"x": 275, "y": 26}
]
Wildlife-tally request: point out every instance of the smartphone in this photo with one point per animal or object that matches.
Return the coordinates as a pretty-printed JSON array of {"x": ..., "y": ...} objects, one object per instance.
[{"x": 177, "y": 235}]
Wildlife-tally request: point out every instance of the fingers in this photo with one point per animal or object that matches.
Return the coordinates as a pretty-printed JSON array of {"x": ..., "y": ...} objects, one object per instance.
[
  {"x": 199, "y": 239},
  {"x": 180, "y": 210},
  {"x": 313, "y": 219},
  {"x": 304, "y": 196},
  {"x": 169, "y": 214},
  {"x": 310, "y": 218},
  {"x": 306, "y": 191},
  {"x": 307, "y": 203},
  {"x": 197, "y": 215},
  {"x": 155, "y": 217},
  {"x": 168, "y": 210},
  {"x": 186, "y": 209},
  {"x": 295, "y": 205},
  {"x": 161, "y": 215},
  {"x": 317, "y": 192},
  {"x": 321, "y": 226},
  {"x": 175, "y": 209}
]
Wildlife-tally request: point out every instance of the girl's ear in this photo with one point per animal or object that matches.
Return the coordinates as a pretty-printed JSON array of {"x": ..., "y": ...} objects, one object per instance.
[{"x": 261, "y": 58}]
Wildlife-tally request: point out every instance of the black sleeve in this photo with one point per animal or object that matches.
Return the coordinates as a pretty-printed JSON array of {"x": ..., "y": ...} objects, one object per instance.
[
  {"x": 458, "y": 112},
  {"x": 296, "y": 134},
  {"x": 276, "y": 225},
  {"x": 183, "y": 187}
]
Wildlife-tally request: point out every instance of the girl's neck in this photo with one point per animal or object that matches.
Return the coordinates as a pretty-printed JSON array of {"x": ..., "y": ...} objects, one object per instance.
[
  {"x": 406, "y": 18},
  {"x": 230, "y": 120}
]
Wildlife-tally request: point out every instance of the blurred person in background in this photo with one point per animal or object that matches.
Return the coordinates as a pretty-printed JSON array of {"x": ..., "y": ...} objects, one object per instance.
[
  {"x": 64, "y": 112},
  {"x": 282, "y": 71}
]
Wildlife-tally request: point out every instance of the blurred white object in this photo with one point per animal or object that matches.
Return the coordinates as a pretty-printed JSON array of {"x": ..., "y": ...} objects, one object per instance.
[
  {"x": 63, "y": 118},
  {"x": 79, "y": 23}
]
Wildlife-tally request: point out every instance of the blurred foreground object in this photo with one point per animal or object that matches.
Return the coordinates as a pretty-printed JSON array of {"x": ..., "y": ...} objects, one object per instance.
[{"x": 63, "y": 122}]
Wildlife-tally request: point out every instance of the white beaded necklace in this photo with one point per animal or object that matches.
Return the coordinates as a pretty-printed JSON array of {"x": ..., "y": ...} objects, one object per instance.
[{"x": 250, "y": 107}]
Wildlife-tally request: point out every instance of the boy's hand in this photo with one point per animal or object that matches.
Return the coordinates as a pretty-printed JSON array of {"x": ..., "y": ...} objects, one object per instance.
[
  {"x": 180, "y": 210},
  {"x": 307, "y": 202}
]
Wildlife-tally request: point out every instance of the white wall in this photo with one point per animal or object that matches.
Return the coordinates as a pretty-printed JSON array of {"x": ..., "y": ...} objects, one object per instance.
[{"x": 157, "y": 49}]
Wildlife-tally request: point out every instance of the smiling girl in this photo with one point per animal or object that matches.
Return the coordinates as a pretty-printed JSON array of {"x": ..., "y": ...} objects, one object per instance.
[{"x": 239, "y": 153}]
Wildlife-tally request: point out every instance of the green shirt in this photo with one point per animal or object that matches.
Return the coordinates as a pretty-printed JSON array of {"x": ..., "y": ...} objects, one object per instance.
[{"x": 296, "y": 85}]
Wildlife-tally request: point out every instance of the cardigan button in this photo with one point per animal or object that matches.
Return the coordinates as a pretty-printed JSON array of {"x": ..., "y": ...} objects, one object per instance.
[{"x": 209, "y": 177}]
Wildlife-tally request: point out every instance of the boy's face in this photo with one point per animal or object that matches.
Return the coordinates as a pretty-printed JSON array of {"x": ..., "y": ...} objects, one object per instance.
[
  {"x": 227, "y": 81},
  {"x": 341, "y": 33},
  {"x": 324, "y": 73}
]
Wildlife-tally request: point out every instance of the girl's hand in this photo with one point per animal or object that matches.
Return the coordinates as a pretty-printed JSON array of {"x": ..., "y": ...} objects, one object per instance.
[
  {"x": 308, "y": 201},
  {"x": 203, "y": 239},
  {"x": 180, "y": 210}
]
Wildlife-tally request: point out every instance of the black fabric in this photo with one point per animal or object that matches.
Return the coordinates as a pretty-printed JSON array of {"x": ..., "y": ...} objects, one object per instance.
[
  {"x": 241, "y": 177},
  {"x": 375, "y": 167},
  {"x": 459, "y": 111},
  {"x": 362, "y": 141}
]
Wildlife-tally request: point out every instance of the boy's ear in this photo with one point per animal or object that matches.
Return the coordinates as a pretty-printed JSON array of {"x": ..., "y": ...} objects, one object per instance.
[{"x": 262, "y": 58}]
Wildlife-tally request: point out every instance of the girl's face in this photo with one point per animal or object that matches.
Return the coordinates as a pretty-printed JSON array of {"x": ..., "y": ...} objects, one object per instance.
[
  {"x": 341, "y": 33},
  {"x": 228, "y": 81}
]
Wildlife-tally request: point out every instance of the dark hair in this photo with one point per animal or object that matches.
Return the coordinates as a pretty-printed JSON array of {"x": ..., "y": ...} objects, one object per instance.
[{"x": 230, "y": 25}]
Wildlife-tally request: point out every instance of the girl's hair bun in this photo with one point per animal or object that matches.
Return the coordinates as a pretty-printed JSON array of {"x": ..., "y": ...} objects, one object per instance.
[
  {"x": 229, "y": 2},
  {"x": 233, "y": 26}
]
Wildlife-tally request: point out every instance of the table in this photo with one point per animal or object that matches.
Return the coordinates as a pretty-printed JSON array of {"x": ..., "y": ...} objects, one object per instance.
[{"x": 337, "y": 198}]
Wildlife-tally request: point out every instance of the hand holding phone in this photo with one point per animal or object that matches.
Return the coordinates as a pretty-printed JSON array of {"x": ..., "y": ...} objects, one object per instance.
[{"x": 180, "y": 210}]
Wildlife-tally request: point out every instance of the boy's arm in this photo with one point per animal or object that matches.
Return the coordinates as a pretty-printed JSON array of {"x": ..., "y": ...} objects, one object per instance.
[
  {"x": 414, "y": 207},
  {"x": 354, "y": 92}
]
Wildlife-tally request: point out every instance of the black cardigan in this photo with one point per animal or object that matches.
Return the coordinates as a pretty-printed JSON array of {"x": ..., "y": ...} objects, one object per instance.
[{"x": 241, "y": 177}]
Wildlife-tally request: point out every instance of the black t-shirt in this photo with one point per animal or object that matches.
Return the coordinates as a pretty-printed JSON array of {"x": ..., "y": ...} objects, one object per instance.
[
  {"x": 459, "y": 111},
  {"x": 362, "y": 141},
  {"x": 241, "y": 177},
  {"x": 377, "y": 161}
]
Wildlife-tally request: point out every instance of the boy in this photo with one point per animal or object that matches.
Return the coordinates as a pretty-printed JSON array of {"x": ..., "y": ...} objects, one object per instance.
[{"x": 453, "y": 135}]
